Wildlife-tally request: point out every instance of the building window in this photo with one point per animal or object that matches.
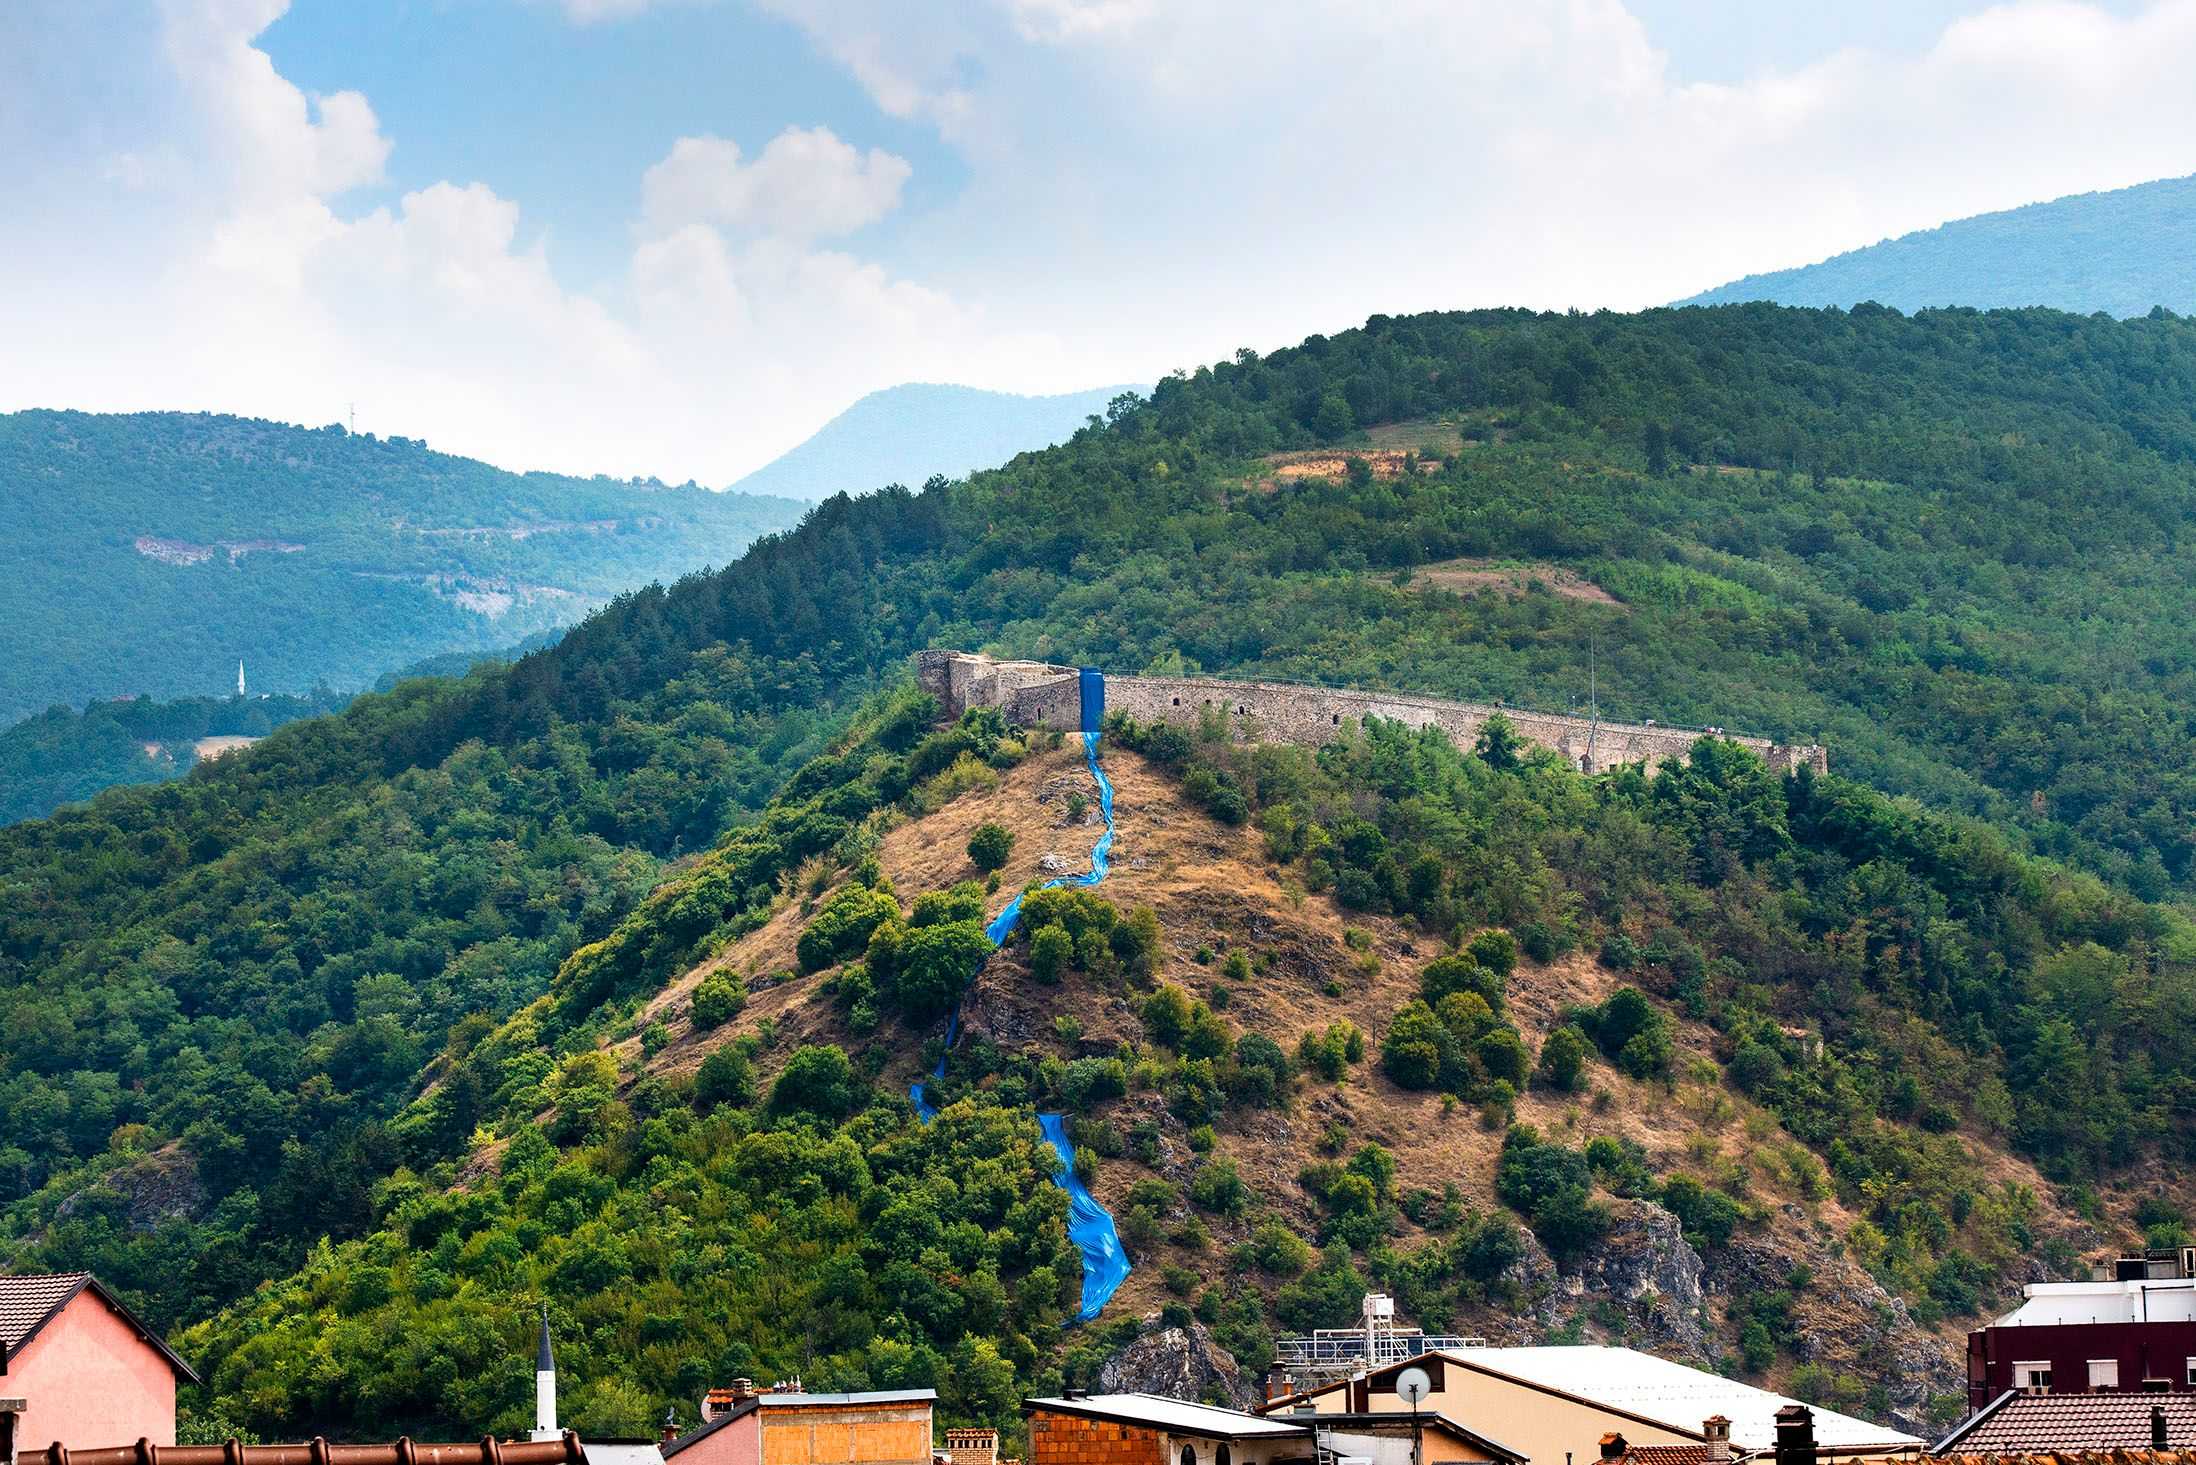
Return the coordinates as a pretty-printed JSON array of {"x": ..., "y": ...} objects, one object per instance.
[
  {"x": 2032, "y": 1377},
  {"x": 2104, "y": 1373},
  {"x": 1220, "y": 1455},
  {"x": 2189, "y": 1375},
  {"x": 1189, "y": 1455}
]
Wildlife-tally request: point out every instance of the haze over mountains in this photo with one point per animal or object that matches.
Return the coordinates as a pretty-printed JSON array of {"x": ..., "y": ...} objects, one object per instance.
[
  {"x": 2122, "y": 252},
  {"x": 908, "y": 433},
  {"x": 150, "y": 553}
]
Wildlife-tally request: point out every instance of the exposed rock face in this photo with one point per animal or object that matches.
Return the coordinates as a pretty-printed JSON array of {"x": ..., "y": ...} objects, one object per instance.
[
  {"x": 153, "y": 1188},
  {"x": 1647, "y": 1268},
  {"x": 1640, "y": 1286},
  {"x": 1846, "y": 1321},
  {"x": 1181, "y": 1363}
]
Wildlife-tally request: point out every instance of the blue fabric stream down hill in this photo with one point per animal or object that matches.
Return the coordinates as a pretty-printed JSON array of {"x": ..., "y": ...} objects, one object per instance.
[{"x": 1090, "y": 1225}]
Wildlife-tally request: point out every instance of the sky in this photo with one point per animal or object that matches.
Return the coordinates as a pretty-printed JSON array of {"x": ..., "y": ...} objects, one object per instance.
[{"x": 673, "y": 237}]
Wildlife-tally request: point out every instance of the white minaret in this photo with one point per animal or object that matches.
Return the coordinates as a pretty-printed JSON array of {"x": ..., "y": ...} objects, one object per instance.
[
  {"x": 240, "y": 677},
  {"x": 545, "y": 1385}
]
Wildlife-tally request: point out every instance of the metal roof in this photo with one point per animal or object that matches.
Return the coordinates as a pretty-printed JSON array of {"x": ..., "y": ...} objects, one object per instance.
[
  {"x": 2046, "y": 1304},
  {"x": 873, "y": 1396},
  {"x": 1177, "y": 1416},
  {"x": 1672, "y": 1393}
]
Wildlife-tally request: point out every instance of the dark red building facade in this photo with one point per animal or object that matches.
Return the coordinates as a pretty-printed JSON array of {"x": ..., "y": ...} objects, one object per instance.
[{"x": 2075, "y": 1358}]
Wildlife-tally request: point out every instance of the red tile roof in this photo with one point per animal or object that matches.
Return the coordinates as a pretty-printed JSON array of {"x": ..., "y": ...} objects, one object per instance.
[
  {"x": 1666, "y": 1455},
  {"x": 2016, "y": 1423},
  {"x": 564, "y": 1451},
  {"x": 28, "y": 1303},
  {"x": 2072, "y": 1457}
]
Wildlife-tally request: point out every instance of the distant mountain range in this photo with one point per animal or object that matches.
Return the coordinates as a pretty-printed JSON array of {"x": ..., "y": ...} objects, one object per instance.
[
  {"x": 2122, "y": 252},
  {"x": 905, "y": 434},
  {"x": 150, "y": 553}
]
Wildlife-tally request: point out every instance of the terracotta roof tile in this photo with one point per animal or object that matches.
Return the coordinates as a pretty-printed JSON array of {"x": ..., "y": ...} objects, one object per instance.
[
  {"x": 2056, "y": 1423},
  {"x": 1667, "y": 1455},
  {"x": 26, "y": 1302},
  {"x": 2070, "y": 1457}
]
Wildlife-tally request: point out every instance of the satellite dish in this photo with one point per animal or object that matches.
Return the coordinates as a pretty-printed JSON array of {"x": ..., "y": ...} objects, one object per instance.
[{"x": 1412, "y": 1386}]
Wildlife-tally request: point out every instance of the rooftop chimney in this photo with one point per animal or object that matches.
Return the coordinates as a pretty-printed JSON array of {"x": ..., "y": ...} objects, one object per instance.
[
  {"x": 670, "y": 1425},
  {"x": 1716, "y": 1430},
  {"x": 1612, "y": 1447},
  {"x": 2157, "y": 1428},
  {"x": 1795, "y": 1435}
]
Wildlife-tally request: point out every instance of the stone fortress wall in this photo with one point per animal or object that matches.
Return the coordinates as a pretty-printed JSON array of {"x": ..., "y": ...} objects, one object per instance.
[{"x": 1037, "y": 694}]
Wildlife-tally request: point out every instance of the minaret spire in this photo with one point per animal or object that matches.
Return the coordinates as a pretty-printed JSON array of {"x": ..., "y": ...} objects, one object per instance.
[{"x": 545, "y": 1384}]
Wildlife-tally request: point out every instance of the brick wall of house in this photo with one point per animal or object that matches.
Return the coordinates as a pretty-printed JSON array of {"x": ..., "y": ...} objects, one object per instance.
[{"x": 1065, "y": 1439}]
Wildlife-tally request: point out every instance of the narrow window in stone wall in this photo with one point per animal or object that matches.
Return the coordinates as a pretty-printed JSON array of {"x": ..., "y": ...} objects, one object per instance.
[
  {"x": 1178, "y": 701},
  {"x": 1189, "y": 1455},
  {"x": 1220, "y": 1455},
  {"x": 1338, "y": 719}
]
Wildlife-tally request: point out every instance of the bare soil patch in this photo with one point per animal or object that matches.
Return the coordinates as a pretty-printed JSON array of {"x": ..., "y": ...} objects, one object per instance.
[{"x": 1511, "y": 577}]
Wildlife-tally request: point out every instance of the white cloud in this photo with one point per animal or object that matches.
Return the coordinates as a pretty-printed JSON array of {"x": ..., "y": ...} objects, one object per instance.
[
  {"x": 806, "y": 184},
  {"x": 1298, "y": 166},
  {"x": 1142, "y": 186}
]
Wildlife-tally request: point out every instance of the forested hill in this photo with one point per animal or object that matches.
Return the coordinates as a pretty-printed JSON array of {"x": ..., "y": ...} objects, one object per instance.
[
  {"x": 917, "y": 431},
  {"x": 150, "y": 553},
  {"x": 61, "y": 756},
  {"x": 2125, "y": 252},
  {"x": 291, "y": 995}
]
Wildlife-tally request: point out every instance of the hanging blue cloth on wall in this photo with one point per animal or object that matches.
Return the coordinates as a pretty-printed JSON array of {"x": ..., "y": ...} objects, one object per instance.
[{"x": 1090, "y": 1225}]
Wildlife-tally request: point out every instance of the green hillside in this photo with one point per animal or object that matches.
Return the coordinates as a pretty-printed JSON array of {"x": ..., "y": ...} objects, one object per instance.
[
  {"x": 304, "y": 992},
  {"x": 2124, "y": 252},
  {"x": 149, "y": 554},
  {"x": 62, "y": 756}
]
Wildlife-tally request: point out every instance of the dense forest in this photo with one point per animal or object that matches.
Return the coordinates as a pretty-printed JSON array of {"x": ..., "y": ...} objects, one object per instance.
[
  {"x": 2124, "y": 252},
  {"x": 63, "y": 756},
  {"x": 295, "y": 995},
  {"x": 148, "y": 554}
]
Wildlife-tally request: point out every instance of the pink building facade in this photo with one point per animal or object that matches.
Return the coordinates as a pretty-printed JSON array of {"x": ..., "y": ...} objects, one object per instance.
[{"x": 86, "y": 1371}]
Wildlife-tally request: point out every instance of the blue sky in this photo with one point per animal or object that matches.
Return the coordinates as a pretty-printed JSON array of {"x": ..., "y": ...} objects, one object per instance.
[
  {"x": 567, "y": 117},
  {"x": 674, "y": 236}
]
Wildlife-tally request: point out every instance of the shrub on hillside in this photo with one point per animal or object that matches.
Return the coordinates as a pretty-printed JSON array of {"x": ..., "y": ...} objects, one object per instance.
[
  {"x": 843, "y": 924},
  {"x": 717, "y": 999},
  {"x": 990, "y": 845}
]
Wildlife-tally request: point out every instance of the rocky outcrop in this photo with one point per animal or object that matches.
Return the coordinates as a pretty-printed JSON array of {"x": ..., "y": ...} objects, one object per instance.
[
  {"x": 1641, "y": 1286},
  {"x": 1180, "y": 1363},
  {"x": 1651, "y": 1274},
  {"x": 1844, "y": 1320},
  {"x": 153, "y": 1188}
]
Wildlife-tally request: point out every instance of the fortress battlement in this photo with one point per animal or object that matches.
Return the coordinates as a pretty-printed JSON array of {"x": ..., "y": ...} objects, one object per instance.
[{"x": 1039, "y": 694}]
